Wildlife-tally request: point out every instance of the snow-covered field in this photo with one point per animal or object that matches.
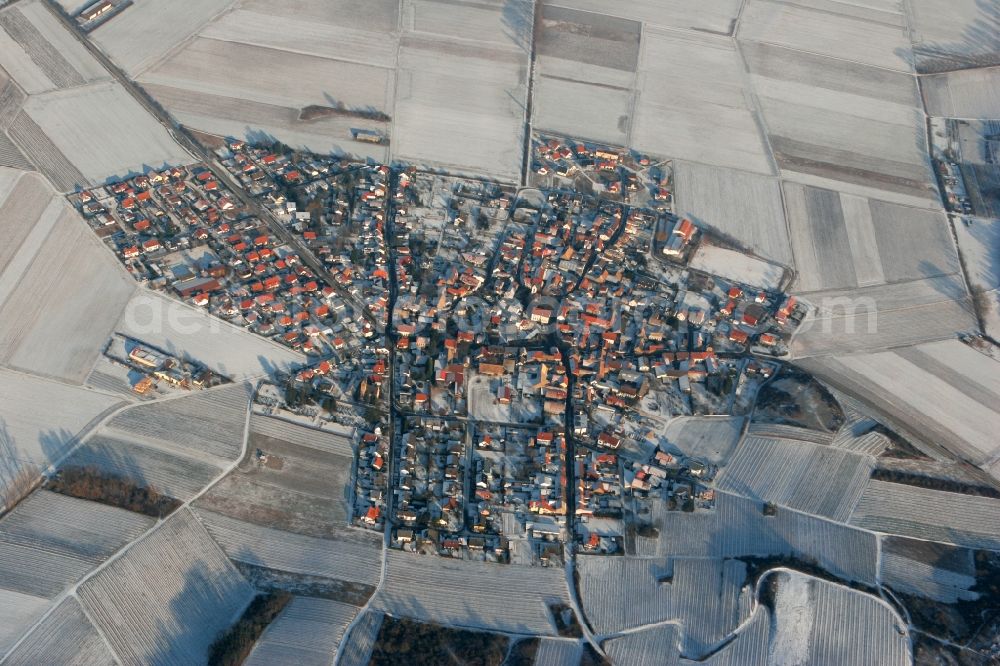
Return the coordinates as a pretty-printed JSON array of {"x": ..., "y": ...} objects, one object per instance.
[
  {"x": 737, "y": 266},
  {"x": 308, "y": 631},
  {"x": 979, "y": 241},
  {"x": 104, "y": 132},
  {"x": 68, "y": 294},
  {"x": 191, "y": 333},
  {"x": 167, "y": 598},
  {"x": 66, "y": 636},
  {"x": 741, "y": 204},
  {"x": 31, "y": 437}
]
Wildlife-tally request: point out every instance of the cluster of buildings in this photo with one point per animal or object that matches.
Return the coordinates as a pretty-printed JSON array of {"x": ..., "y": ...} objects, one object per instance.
[
  {"x": 150, "y": 371},
  {"x": 182, "y": 231},
  {"x": 524, "y": 345},
  {"x": 604, "y": 171}
]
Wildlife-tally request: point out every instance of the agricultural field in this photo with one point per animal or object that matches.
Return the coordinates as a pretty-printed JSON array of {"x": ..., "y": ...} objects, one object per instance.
[
  {"x": 147, "y": 463},
  {"x": 103, "y": 132},
  {"x": 979, "y": 241},
  {"x": 304, "y": 487},
  {"x": 737, "y": 266},
  {"x": 28, "y": 212},
  {"x": 931, "y": 515},
  {"x": 744, "y": 206},
  {"x": 971, "y": 93},
  {"x": 168, "y": 596},
  {"x": 356, "y": 647},
  {"x": 308, "y": 632},
  {"x": 179, "y": 445},
  {"x": 749, "y": 647},
  {"x": 599, "y": 113},
  {"x": 953, "y": 34},
  {"x": 737, "y": 527},
  {"x": 192, "y": 334},
  {"x": 316, "y": 54},
  {"x": 814, "y": 479},
  {"x": 32, "y": 439},
  {"x": 50, "y": 541},
  {"x": 945, "y": 393},
  {"x": 128, "y": 41},
  {"x": 40, "y": 53},
  {"x": 69, "y": 293},
  {"x": 460, "y": 96},
  {"x": 711, "y": 439},
  {"x": 208, "y": 422},
  {"x": 559, "y": 652},
  {"x": 656, "y": 646},
  {"x": 821, "y": 623},
  {"x": 38, "y": 148},
  {"x": 65, "y": 636},
  {"x": 698, "y": 113},
  {"x": 881, "y": 317},
  {"x": 842, "y": 241},
  {"x": 927, "y": 569},
  {"x": 849, "y": 32},
  {"x": 702, "y": 595},
  {"x": 472, "y": 595},
  {"x": 717, "y": 17},
  {"x": 354, "y": 557},
  {"x": 18, "y": 613}
]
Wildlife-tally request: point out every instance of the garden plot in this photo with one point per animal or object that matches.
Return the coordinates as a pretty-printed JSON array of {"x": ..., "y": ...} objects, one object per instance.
[
  {"x": 356, "y": 648},
  {"x": 18, "y": 613},
  {"x": 876, "y": 38},
  {"x": 167, "y": 598},
  {"x": 308, "y": 631},
  {"x": 620, "y": 593},
  {"x": 41, "y": 54},
  {"x": 192, "y": 334},
  {"x": 128, "y": 41},
  {"x": 582, "y": 110},
  {"x": 927, "y": 569},
  {"x": 954, "y": 34},
  {"x": 972, "y": 93},
  {"x": 692, "y": 103},
  {"x": 882, "y": 317},
  {"x": 210, "y": 421},
  {"x": 50, "y": 541},
  {"x": 931, "y": 515},
  {"x": 556, "y": 652},
  {"x": 737, "y": 266},
  {"x": 354, "y": 557},
  {"x": 715, "y": 17},
  {"x": 945, "y": 393},
  {"x": 737, "y": 527},
  {"x": 103, "y": 132},
  {"x": 475, "y": 595},
  {"x": 656, "y": 646},
  {"x": 822, "y": 623},
  {"x": 460, "y": 106},
  {"x": 304, "y": 487},
  {"x": 711, "y": 439},
  {"x": 66, "y": 637},
  {"x": 979, "y": 241},
  {"x": 814, "y": 479},
  {"x": 32, "y": 439},
  {"x": 742, "y": 205}
]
